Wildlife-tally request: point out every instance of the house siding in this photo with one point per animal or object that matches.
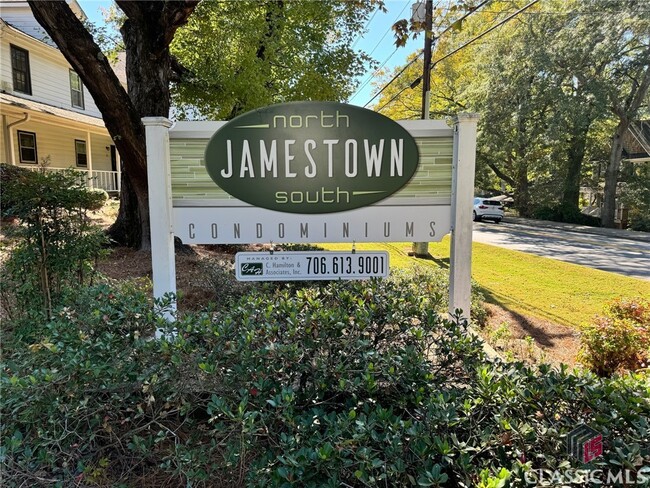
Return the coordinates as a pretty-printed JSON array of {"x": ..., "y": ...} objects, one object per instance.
[
  {"x": 50, "y": 75},
  {"x": 58, "y": 144}
]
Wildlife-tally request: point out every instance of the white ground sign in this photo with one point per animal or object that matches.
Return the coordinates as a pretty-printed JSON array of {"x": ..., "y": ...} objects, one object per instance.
[{"x": 184, "y": 201}]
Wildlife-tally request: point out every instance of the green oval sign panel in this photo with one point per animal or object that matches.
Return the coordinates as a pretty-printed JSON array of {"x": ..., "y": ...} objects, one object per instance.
[{"x": 311, "y": 157}]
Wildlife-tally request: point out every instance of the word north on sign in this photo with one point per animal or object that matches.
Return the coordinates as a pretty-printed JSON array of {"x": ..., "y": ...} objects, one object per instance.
[{"x": 311, "y": 157}]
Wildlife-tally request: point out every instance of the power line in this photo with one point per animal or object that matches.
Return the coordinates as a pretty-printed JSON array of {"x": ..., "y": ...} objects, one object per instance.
[
  {"x": 393, "y": 98},
  {"x": 510, "y": 17},
  {"x": 369, "y": 79},
  {"x": 447, "y": 29},
  {"x": 360, "y": 36},
  {"x": 485, "y": 33},
  {"x": 395, "y": 77},
  {"x": 389, "y": 29}
]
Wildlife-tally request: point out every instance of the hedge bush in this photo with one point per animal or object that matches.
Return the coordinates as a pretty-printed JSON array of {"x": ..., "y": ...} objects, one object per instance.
[
  {"x": 568, "y": 214},
  {"x": 639, "y": 221},
  {"x": 56, "y": 244},
  {"x": 619, "y": 339},
  {"x": 340, "y": 384}
]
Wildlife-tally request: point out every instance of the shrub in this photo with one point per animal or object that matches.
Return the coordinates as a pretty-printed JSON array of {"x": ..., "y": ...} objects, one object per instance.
[
  {"x": 219, "y": 277},
  {"x": 100, "y": 200},
  {"x": 56, "y": 242},
  {"x": 10, "y": 175},
  {"x": 339, "y": 384},
  {"x": 563, "y": 213},
  {"x": 639, "y": 221},
  {"x": 73, "y": 377},
  {"x": 619, "y": 339}
]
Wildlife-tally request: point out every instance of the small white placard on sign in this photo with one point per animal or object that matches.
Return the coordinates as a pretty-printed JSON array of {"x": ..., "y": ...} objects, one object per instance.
[{"x": 311, "y": 265}]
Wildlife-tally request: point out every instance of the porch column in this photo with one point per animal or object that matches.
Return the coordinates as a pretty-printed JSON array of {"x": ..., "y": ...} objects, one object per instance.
[
  {"x": 6, "y": 135},
  {"x": 89, "y": 161},
  {"x": 118, "y": 163}
]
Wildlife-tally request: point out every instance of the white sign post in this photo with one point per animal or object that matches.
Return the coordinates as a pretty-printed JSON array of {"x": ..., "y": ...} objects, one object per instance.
[
  {"x": 160, "y": 211},
  {"x": 196, "y": 210},
  {"x": 460, "y": 260}
]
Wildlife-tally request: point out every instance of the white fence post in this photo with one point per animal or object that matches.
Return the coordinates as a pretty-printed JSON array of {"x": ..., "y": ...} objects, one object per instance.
[
  {"x": 160, "y": 210},
  {"x": 460, "y": 262}
]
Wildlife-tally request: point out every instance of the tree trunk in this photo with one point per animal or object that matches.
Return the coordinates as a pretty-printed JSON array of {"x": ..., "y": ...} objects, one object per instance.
[
  {"x": 147, "y": 32},
  {"x": 522, "y": 192},
  {"x": 132, "y": 219},
  {"x": 625, "y": 112},
  {"x": 608, "y": 212},
  {"x": 575, "y": 156}
]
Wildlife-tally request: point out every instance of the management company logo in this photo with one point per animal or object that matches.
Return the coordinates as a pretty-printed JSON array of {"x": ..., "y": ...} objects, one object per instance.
[{"x": 251, "y": 269}]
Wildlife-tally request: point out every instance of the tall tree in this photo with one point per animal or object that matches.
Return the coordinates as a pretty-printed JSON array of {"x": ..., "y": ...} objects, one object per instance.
[
  {"x": 625, "y": 110},
  {"x": 628, "y": 91},
  {"x": 268, "y": 52},
  {"x": 541, "y": 82},
  {"x": 218, "y": 79},
  {"x": 148, "y": 30}
]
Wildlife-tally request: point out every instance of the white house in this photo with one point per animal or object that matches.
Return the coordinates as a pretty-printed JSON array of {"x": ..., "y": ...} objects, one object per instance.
[{"x": 48, "y": 117}]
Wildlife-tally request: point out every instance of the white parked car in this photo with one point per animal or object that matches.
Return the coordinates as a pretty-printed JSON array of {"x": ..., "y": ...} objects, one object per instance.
[{"x": 486, "y": 209}]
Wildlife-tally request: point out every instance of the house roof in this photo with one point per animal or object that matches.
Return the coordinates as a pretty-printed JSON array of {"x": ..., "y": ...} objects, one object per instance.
[
  {"x": 43, "y": 108},
  {"x": 119, "y": 67},
  {"x": 636, "y": 143},
  {"x": 73, "y": 4},
  {"x": 6, "y": 25}
]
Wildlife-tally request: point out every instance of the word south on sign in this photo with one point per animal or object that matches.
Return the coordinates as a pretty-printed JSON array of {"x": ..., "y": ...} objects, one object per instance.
[{"x": 311, "y": 157}]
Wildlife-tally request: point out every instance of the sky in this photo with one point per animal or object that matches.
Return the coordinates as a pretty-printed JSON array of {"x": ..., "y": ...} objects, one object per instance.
[{"x": 377, "y": 40}]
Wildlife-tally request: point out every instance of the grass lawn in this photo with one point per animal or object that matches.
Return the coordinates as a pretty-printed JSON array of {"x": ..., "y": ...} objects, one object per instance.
[{"x": 564, "y": 293}]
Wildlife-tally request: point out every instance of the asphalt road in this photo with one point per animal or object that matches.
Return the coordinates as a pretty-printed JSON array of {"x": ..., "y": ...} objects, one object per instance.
[{"x": 617, "y": 255}]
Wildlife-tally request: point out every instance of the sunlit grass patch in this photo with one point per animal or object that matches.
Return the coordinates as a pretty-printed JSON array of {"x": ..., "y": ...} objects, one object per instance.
[{"x": 546, "y": 288}]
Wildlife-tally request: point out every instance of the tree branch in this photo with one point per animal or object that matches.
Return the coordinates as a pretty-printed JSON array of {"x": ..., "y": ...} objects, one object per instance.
[
  {"x": 175, "y": 15},
  {"x": 501, "y": 174},
  {"x": 170, "y": 15},
  {"x": 179, "y": 72}
]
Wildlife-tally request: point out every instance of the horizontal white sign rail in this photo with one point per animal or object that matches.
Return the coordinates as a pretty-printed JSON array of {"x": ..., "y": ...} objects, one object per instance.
[
  {"x": 311, "y": 265},
  {"x": 237, "y": 225}
]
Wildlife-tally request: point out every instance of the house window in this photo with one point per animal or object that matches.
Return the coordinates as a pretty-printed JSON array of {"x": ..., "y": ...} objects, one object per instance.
[
  {"x": 80, "y": 153},
  {"x": 20, "y": 70},
  {"x": 27, "y": 147},
  {"x": 76, "y": 90}
]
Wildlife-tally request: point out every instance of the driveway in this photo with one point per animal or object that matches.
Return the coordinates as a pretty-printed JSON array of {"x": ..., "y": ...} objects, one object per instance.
[{"x": 606, "y": 250}]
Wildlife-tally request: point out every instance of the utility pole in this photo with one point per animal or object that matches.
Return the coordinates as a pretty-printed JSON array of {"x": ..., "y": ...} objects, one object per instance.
[
  {"x": 421, "y": 249},
  {"x": 426, "y": 73}
]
